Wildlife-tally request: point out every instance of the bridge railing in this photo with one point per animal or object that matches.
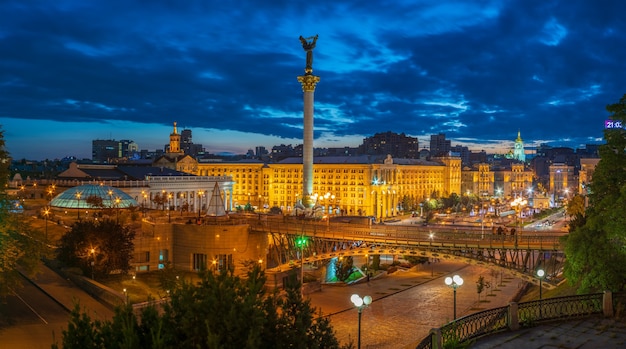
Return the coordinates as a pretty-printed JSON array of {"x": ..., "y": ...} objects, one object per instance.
[
  {"x": 413, "y": 235},
  {"x": 525, "y": 314}
]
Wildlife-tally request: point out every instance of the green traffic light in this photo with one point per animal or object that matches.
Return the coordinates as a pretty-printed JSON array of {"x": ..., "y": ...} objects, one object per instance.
[{"x": 301, "y": 241}]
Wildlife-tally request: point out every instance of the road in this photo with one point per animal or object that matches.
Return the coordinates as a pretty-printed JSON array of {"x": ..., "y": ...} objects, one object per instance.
[
  {"x": 30, "y": 319},
  {"x": 408, "y": 305}
]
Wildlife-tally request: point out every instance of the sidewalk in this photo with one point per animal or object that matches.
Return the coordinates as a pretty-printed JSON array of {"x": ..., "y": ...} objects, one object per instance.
[
  {"x": 408, "y": 304},
  {"x": 67, "y": 294}
]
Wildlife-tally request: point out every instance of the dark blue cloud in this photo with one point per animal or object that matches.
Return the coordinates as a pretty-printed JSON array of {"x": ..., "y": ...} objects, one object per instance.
[{"x": 477, "y": 71}]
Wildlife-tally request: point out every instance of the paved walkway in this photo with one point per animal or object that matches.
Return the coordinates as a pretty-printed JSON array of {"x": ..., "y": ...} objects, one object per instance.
[
  {"x": 408, "y": 304},
  {"x": 68, "y": 294},
  {"x": 589, "y": 333}
]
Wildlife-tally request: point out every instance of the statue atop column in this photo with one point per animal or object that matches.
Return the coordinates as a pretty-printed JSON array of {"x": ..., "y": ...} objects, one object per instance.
[{"x": 308, "y": 44}]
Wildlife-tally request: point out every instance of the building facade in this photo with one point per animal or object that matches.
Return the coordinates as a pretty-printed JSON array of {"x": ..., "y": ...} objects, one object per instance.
[
  {"x": 506, "y": 181},
  {"x": 362, "y": 185}
]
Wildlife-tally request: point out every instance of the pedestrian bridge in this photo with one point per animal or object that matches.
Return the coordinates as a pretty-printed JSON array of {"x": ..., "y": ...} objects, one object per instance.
[{"x": 297, "y": 242}]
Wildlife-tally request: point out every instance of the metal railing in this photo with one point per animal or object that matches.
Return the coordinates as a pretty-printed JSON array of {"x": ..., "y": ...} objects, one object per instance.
[{"x": 526, "y": 314}]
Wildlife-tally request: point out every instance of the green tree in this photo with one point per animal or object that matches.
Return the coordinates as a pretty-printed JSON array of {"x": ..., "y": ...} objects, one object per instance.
[
  {"x": 219, "y": 311},
  {"x": 480, "y": 286},
  {"x": 106, "y": 243},
  {"x": 21, "y": 246},
  {"x": 344, "y": 268},
  {"x": 595, "y": 254},
  {"x": 576, "y": 206},
  {"x": 94, "y": 201}
]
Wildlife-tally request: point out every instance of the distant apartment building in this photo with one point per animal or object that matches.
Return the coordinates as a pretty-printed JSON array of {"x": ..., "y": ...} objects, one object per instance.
[
  {"x": 463, "y": 152},
  {"x": 389, "y": 143},
  {"x": 439, "y": 145},
  {"x": 103, "y": 151}
]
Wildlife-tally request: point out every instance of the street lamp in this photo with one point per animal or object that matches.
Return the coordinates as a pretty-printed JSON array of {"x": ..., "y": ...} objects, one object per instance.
[
  {"x": 143, "y": 205},
  {"x": 92, "y": 252},
  {"x": 454, "y": 282},
  {"x": 518, "y": 205},
  {"x": 360, "y": 303},
  {"x": 46, "y": 212},
  {"x": 111, "y": 199},
  {"x": 78, "y": 194},
  {"x": 169, "y": 208},
  {"x": 431, "y": 236},
  {"x": 200, "y": 194},
  {"x": 117, "y": 208},
  {"x": 540, "y": 274}
]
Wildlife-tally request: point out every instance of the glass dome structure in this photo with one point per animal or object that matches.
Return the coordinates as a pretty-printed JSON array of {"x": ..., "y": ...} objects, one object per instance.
[{"x": 76, "y": 197}]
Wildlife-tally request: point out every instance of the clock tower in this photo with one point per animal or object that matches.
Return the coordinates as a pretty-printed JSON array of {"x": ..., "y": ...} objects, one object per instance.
[{"x": 518, "y": 151}]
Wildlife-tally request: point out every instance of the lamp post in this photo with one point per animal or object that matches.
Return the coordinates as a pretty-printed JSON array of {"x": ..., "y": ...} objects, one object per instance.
[
  {"x": 46, "y": 212},
  {"x": 145, "y": 196},
  {"x": 301, "y": 242},
  {"x": 92, "y": 252},
  {"x": 540, "y": 274},
  {"x": 200, "y": 194},
  {"x": 518, "y": 205},
  {"x": 431, "y": 236},
  {"x": 117, "y": 208},
  {"x": 169, "y": 208},
  {"x": 110, "y": 198},
  {"x": 454, "y": 282},
  {"x": 360, "y": 303},
  {"x": 78, "y": 194}
]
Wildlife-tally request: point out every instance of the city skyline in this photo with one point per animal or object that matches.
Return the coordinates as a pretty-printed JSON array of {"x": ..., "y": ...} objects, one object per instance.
[{"x": 73, "y": 72}]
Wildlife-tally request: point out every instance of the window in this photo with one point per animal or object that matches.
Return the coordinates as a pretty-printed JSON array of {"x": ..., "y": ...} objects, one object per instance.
[
  {"x": 223, "y": 261},
  {"x": 199, "y": 261}
]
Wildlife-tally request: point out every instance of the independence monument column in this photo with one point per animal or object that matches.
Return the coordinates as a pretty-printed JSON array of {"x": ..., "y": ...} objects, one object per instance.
[{"x": 308, "y": 81}]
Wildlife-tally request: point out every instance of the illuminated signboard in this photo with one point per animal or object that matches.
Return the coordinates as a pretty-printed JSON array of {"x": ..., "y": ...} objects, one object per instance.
[{"x": 613, "y": 124}]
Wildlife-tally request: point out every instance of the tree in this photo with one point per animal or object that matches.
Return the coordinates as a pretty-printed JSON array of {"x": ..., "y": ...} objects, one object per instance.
[
  {"x": 576, "y": 206},
  {"x": 20, "y": 245},
  {"x": 160, "y": 200},
  {"x": 107, "y": 244},
  {"x": 344, "y": 268},
  {"x": 94, "y": 201},
  {"x": 480, "y": 286},
  {"x": 219, "y": 311},
  {"x": 594, "y": 248}
]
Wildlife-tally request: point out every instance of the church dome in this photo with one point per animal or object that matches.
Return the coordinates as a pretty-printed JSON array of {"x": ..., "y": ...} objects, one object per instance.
[{"x": 110, "y": 195}]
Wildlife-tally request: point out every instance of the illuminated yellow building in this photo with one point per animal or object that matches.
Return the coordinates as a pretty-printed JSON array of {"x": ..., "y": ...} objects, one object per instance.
[
  {"x": 361, "y": 185},
  {"x": 562, "y": 182},
  {"x": 482, "y": 180},
  {"x": 345, "y": 185},
  {"x": 479, "y": 181}
]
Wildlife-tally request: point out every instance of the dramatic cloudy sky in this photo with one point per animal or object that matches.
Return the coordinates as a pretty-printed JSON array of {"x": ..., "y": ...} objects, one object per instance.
[{"x": 72, "y": 71}]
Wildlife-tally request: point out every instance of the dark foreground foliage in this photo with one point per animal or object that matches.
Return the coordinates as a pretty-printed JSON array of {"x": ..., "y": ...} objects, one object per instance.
[{"x": 220, "y": 311}]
